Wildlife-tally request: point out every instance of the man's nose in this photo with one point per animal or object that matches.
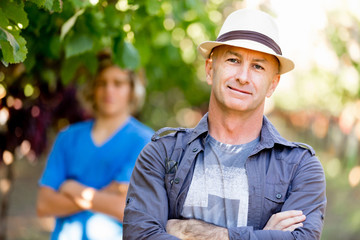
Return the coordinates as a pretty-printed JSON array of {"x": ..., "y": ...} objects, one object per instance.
[
  {"x": 242, "y": 74},
  {"x": 110, "y": 86}
]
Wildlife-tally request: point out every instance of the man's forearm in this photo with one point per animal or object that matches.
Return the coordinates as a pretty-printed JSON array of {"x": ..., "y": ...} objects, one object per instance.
[
  {"x": 107, "y": 201},
  {"x": 195, "y": 230},
  {"x": 52, "y": 203}
]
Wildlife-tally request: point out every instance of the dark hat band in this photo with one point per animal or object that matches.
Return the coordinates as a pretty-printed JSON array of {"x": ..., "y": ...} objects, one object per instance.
[{"x": 250, "y": 35}]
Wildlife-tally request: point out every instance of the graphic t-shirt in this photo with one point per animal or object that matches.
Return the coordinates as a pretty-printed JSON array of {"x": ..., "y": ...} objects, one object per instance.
[{"x": 218, "y": 192}]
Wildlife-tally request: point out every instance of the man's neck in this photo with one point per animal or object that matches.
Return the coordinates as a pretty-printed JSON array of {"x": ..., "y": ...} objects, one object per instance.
[
  {"x": 234, "y": 127},
  {"x": 104, "y": 127}
]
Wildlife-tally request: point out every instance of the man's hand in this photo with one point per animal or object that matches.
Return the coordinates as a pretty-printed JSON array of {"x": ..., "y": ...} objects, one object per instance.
[
  {"x": 285, "y": 221},
  {"x": 80, "y": 194},
  {"x": 109, "y": 200},
  {"x": 195, "y": 230}
]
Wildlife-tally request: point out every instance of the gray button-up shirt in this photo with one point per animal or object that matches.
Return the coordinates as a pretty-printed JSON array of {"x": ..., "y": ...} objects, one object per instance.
[{"x": 282, "y": 176}]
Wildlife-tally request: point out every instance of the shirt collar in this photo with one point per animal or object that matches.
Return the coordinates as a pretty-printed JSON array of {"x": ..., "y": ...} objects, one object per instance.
[
  {"x": 269, "y": 136},
  {"x": 201, "y": 128}
]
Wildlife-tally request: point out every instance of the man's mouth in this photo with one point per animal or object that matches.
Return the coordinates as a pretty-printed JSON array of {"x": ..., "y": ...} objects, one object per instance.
[{"x": 239, "y": 90}]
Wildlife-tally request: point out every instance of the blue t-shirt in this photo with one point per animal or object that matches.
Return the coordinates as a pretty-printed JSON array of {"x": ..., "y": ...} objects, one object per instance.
[{"x": 76, "y": 156}]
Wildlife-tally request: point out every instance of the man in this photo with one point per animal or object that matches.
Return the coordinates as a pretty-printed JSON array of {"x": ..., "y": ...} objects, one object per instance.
[
  {"x": 90, "y": 165},
  {"x": 232, "y": 176}
]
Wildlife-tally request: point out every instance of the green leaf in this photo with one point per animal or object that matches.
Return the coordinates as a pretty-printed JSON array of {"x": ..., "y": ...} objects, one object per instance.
[
  {"x": 4, "y": 22},
  {"x": 111, "y": 17},
  {"x": 10, "y": 55},
  {"x": 71, "y": 65},
  {"x": 55, "y": 46},
  {"x": 130, "y": 56},
  {"x": 68, "y": 69},
  {"x": 144, "y": 50},
  {"x": 13, "y": 47},
  {"x": 20, "y": 55},
  {"x": 6, "y": 36},
  {"x": 3, "y": 35},
  {"x": 48, "y": 5},
  {"x": 70, "y": 23},
  {"x": 39, "y": 3},
  {"x": 15, "y": 12},
  {"x": 30, "y": 61},
  {"x": 94, "y": 22},
  {"x": 78, "y": 44},
  {"x": 153, "y": 7},
  {"x": 80, "y": 3},
  {"x": 57, "y": 7},
  {"x": 6, "y": 64},
  {"x": 90, "y": 61},
  {"x": 53, "y": 5},
  {"x": 126, "y": 55}
]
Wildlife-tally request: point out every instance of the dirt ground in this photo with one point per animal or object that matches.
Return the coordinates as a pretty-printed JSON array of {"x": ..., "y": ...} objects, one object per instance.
[{"x": 23, "y": 224}]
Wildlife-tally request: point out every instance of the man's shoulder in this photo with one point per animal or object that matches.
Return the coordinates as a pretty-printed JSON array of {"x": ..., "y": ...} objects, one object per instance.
[
  {"x": 305, "y": 147},
  {"x": 272, "y": 136},
  {"x": 293, "y": 152},
  {"x": 167, "y": 140},
  {"x": 168, "y": 133},
  {"x": 76, "y": 128}
]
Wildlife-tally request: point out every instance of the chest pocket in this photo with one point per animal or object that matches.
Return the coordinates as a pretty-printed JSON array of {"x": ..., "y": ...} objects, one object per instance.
[{"x": 275, "y": 196}]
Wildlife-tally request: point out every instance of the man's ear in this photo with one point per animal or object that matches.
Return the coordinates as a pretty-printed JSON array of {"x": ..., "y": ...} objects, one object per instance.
[
  {"x": 274, "y": 83},
  {"x": 209, "y": 70}
]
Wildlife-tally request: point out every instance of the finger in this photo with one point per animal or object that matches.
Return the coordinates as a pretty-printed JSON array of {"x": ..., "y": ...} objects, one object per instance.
[
  {"x": 288, "y": 214},
  {"x": 293, "y": 227},
  {"x": 280, "y": 216},
  {"x": 83, "y": 204},
  {"x": 282, "y": 220},
  {"x": 291, "y": 221}
]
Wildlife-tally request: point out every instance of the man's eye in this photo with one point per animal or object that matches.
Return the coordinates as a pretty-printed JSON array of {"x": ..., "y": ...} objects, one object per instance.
[
  {"x": 258, "y": 67},
  {"x": 121, "y": 83},
  {"x": 233, "y": 60},
  {"x": 118, "y": 83}
]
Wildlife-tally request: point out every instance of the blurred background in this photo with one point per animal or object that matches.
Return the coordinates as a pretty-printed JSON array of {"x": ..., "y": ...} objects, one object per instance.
[{"x": 49, "y": 49}]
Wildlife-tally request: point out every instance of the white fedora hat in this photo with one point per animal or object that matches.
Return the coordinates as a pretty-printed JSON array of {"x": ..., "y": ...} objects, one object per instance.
[{"x": 250, "y": 29}]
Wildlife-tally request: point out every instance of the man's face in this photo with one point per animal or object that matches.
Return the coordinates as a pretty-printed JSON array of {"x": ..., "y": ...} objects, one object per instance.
[
  {"x": 241, "y": 78},
  {"x": 112, "y": 92}
]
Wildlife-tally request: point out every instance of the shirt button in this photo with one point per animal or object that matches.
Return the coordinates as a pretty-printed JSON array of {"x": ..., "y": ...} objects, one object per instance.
[
  {"x": 176, "y": 180},
  {"x": 195, "y": 150},
  {"x": 278, "y": 196}
]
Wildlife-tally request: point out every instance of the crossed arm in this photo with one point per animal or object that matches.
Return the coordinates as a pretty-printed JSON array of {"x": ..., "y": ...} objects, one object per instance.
[
  {"x": 197, "y": 229},
  {"x": 148, "y": 210},
  {"x": 74, "y": 197}
]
